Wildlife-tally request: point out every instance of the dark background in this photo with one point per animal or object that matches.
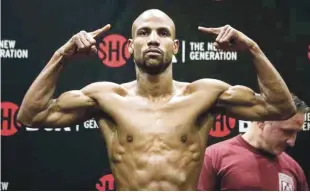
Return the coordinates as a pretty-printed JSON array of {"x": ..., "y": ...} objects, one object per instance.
[{"x": 50, "y": 160}]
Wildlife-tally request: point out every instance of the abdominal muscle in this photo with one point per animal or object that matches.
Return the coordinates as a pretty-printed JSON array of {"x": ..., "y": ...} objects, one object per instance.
[{"x": 155, "y": 164}]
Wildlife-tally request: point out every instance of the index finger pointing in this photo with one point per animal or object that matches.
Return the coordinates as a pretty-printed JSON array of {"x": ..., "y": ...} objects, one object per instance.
[
  {"x": 215, "y": 31},
  {"x": 100, "y": 31}
]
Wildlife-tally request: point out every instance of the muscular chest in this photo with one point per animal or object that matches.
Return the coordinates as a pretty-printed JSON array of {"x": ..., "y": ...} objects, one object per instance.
[
  {"x": 173, "y": 120},
  {"x": 154, "y": 129},
  {"x": 158, "y": 116}
]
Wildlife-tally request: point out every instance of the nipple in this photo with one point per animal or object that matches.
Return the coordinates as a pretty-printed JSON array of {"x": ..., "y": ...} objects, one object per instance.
[
  {"x": 183, "y": 139},
  {"x": 129, "y": 139}
]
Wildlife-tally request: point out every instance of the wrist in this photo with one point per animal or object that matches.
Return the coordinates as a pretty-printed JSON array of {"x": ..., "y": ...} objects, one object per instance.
[
  {"x": 254, "y": 49},
  {"x": 58, "y": 58},
  {"x": 60, "y": 55}
]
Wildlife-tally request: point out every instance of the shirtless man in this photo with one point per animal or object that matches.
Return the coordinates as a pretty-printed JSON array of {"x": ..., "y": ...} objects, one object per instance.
[{"x": 155, "y": 128}]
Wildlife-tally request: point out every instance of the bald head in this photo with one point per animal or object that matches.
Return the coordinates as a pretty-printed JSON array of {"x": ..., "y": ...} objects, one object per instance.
[
  {"x": 152, "y": 15},
  {"x": 153, "y": 42}
]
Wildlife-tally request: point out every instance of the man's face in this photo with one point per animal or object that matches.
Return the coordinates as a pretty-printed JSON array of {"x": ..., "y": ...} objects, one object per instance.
[
  {"x": 153, "y": 44},
  {"x": 278, "y": 135}
]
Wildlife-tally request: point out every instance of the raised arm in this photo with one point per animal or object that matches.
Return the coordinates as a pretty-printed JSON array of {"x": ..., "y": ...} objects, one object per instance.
[
  {"x": 243, "y": 103},
  {"x": 68, "y": 109},
  {"x": 274, "y": 102},
  {"x": 40, "y": 109}
]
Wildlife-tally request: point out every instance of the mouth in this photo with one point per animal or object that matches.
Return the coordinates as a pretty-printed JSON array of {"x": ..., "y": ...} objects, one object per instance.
[{"x": 153, "y": 51}]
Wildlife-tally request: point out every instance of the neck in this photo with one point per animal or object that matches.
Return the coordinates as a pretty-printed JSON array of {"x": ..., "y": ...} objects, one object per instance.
[
  {"x": 159, "y": 85},
  {"x": 253, "y": 136}
]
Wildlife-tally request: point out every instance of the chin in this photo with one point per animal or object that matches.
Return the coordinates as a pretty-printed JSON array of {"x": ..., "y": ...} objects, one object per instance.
[
  {"x": 153, "y": 63},
  {"x": 154, "y": 70},
  {"x": 278, "y": 152}
]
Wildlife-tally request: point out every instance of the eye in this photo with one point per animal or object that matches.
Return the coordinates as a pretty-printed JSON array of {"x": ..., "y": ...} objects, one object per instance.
[
  {"x": 289, "y": 132},
  {"x": 142, "y": 33},
  {"x": 164, "y": 33}
]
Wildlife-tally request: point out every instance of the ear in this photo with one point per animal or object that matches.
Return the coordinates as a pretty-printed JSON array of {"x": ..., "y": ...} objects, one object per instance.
[
  {"x": 130, "y": 46},
  {"x": 176, "y": 45}
]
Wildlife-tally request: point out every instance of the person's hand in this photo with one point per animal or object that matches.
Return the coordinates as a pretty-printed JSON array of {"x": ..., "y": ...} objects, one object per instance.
[
  {"x": 82, "y": 43},
  {"x": 229, "y": 39}
]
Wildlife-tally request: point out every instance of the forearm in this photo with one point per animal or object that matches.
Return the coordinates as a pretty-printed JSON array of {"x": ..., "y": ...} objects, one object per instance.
[
  {"x": 272, "y": 86},
  {"x": 41, "y": 92}
]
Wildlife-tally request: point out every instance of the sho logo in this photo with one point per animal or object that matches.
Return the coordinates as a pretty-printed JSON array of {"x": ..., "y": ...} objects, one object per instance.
[
  {"x": 113, "y": 50},
  {"x": 286, "y": 182},
  {"x": 222, "y": 126},
  {"x": 106, "y": 183},
  {"x": 9, "y": 124}
]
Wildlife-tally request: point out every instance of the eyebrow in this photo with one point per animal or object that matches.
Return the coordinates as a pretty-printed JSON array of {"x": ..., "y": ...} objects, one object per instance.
[
  {"x": 142, "y": 28},
  {"x": 292, "y": 128},
  {"x": 165, "y": 29},
  {"x": 159, "y": 28}
]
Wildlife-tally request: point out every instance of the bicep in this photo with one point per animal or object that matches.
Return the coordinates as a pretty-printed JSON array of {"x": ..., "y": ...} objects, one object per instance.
[
  {"x": 69, "y": 108},
  {"x": 242, "y": 102}
]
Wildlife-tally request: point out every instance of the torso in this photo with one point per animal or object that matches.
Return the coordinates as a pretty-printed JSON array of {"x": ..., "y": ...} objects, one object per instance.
[
  {"x": 239, "y": 168},
  {"x": 155, "y": 145}
]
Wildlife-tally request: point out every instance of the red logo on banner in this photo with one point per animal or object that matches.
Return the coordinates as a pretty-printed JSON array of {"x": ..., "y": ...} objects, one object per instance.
[
  {"x": 9, "y": 125},
  {"x": 309, "y": 52},
  {"x": 113, "y": 50},
  {"x": 106, "y": 183},
  {"x": 222, "y": 126}
]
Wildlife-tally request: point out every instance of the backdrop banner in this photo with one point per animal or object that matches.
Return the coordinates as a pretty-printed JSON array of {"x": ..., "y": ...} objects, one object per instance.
[{"x": 75, "y": 158}]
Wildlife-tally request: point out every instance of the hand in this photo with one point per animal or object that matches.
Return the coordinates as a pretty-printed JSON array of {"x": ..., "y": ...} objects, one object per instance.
[
  {"x": 82, "y": 43},
  {"x": 229, "y": 39}
]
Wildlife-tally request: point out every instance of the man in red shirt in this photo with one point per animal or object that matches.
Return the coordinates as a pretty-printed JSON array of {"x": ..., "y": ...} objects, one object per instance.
[{"x": 256, "y": 160}]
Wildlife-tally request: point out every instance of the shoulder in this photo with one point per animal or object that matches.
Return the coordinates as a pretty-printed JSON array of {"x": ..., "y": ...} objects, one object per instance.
[
  {"x": 207, "y": 84},
  {"x": 296, "y": 169},
  {"x": 103, "y": 87},
  {"x": 129, "y": 85},
  {"x": 181, "y": 86},
  {"x": 290, "y": 162},
  {"x": 287, "y": 158}
]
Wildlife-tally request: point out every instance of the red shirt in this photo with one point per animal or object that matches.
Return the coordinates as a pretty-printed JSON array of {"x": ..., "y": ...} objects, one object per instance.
[{"x": 236, "y": 165}]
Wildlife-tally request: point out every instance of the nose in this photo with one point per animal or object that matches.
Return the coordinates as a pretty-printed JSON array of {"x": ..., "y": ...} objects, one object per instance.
[
  {"x": 153, "y": 40},
  {"x": 291, "y": 141}
]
